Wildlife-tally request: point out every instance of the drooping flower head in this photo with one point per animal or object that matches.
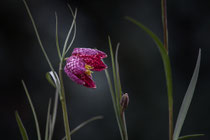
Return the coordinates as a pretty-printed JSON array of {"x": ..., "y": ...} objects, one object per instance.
[{"x": 81, "y": 63}]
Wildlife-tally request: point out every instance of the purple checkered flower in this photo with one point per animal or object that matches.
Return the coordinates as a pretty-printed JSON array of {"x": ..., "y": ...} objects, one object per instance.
[{"x": 81, "y": 63}]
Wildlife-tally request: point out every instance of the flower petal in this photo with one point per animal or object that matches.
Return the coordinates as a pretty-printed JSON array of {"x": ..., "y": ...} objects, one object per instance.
[
  {"x": 75, "y": 65},
  {"x": 88, "y": 52},
  {"x": 88, "y": 81},
  {"x": 95, "y": 62},
  {"x": 75, "y": 69},
  {"x": 73, "y": 77}
]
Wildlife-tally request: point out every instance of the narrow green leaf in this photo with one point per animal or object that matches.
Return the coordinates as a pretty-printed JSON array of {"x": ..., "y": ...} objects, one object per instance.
[
  {"x": 190, "y": 136},
  {"x": 115, "y": 97},
  {"x": 21, "y": 126},
  {"x": 151, "y": 34},
  {"x": 33, "y": 111},
  {"x": 53, "y": 79},
  {"x": 114, "y": 73},
  {"x": 187, "y": 99},
  {"x": 113, "y": 100},
  {"x": 37, "y": 35},
  {"x": 75, "y": 29},
  {"x": 118, "y": 72},
  {"x": 84, "y": 124},
  {"x": 56, "y": 36},
  {"x": 120, "y": 91},
  {"x": 47, "y": 121},
  {"x": 56, "y": 81},
  {"x": 68, "y": 35},
  {"x": 165, "y": 58},
  {"x": 49, "y": 79},
  {"x": 167, "y": 68}
]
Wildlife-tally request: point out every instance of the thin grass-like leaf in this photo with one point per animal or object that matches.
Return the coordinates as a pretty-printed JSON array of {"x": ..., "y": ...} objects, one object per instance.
[
  {"x": 84, "y": 124},
  {"x": 37, "y": 35},
  {"x": 47, "y": 121},
  {"x": 164, "y": 55},
  {"x": 120, "y": 90},
  {"x": 57, "y": 84},
  {"x": 75, "y": 29},
  {"x": 113, "y": 101},
  {"x": 114, "y": 73},
  {"x": 150, "y": 33},
  {"x": 21, "y": 126},
  {"x": 53, "y": 78},
  {"x": 115, "y": 95},
  {"x": 167, "y": 68},
  {"x": 49, "y": 79},
  {"x": 56, "y": 36},
  {"x": 33, "y": 111},
  {"x": 118, "y": 72},
  {"x": 187, "y": 99},
  {"x": 190, "y": 136},
  {"x": 68, "y": 35},
  {"x": 50, "y": 127}
]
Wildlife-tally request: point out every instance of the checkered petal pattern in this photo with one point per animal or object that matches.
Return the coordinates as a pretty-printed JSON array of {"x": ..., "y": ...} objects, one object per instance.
[{"x": 75, "y": 67}]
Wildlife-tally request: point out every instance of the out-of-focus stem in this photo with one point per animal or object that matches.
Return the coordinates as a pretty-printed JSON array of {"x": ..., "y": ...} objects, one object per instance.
[
  {"x": 165, "y": 26},
  {"x": 170, "y": 96},
  {"x": 63, "y": 103}
]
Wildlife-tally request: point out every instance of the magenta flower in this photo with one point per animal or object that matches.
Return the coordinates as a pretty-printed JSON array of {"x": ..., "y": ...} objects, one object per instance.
[{"x": 81, "y": 63}]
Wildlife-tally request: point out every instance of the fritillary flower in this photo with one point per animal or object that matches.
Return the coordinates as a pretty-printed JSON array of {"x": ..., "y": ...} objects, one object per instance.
[{"x": 81, "y": 63}]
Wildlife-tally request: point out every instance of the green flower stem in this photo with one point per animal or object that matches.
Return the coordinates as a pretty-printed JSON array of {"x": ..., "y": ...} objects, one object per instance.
[
  {"x": 114, "y": 104},
  {"x": 63, "y": 103},
  {"x": 167, "y": 68},
  {"x": 165, "y": 26},
  {"x": 125, "y": 134}
]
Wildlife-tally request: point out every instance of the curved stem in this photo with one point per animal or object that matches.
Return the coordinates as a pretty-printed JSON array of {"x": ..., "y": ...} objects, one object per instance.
[{"x": 63, "y": 103}]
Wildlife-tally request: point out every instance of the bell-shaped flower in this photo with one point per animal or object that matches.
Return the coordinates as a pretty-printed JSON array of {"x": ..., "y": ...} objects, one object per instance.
[{"x": 81, "y": 63}]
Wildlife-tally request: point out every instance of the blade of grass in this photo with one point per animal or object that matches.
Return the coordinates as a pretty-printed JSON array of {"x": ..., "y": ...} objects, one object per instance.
[
  {"x": 49, "y": 79},
  {"x": 75, "y": 29},
  {"x": 187, "y": 99},
  {"x": 37, "y": 35},
  {"x": 167, "y": 68},
  {"x": 116, "y": 101},
  {"x": 47, "y": 122},
  {"x": 190, "y": 136},
  {"x": 68, "y": 35},
  {"x": 113, "y": 101},
  {"x": 84, "y": 124},
  {"x": 114, "y": 74},
  {"x": 21, "y": 126},
  {"x": 56, "y": 36},
  {"x": 120, "y": 92},
  {"x": 33, "y": 111},
  {"x": 57, "y": 84},
  {"x": 118, "y": 72}
]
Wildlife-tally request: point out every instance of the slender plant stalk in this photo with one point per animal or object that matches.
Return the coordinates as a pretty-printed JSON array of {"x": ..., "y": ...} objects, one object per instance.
[
  {"x": 170, "y": 96},
  {"x": 63, "y": 103},
  {"x": 116, "y": 93},
  {"x": 37, "y": 35},
  {"x": 165, "y": 26}
]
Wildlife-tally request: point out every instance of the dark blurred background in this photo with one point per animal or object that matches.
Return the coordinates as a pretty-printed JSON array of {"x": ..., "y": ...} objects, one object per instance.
[{"x": 141, "y": 68}]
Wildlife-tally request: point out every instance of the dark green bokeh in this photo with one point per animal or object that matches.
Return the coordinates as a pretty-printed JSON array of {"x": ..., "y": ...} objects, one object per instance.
[{"x": 141, "y": 68}]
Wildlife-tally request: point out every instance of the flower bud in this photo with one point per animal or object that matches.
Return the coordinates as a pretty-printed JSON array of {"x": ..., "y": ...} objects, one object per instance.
[{"x": 124, "y": 101}]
